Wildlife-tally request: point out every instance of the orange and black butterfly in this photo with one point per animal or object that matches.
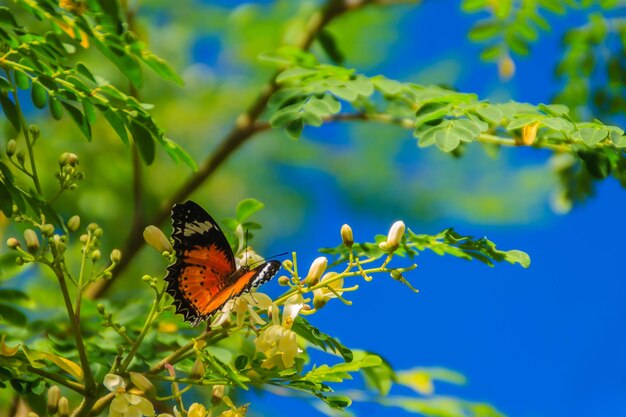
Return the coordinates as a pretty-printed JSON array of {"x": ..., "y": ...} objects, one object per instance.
[{"x": 204, "y": 276}]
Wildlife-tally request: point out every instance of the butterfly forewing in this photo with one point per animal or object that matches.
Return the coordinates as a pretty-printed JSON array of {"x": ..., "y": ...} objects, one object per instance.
[{"x": 204, "y": 276}]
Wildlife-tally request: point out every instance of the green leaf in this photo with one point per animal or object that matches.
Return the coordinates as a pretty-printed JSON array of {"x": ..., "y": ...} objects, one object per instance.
[
  {"x": 56, "y": 110},
  {"x": 21, "y": 80},
  {"x": 80, "y": 119},
  {"x": 329, "y": 45},
  {"x": 294, "y": 129},
  {"x": 159, "y": 66},
  {"x": 143, "y": 140},
  {"x": 294, "y": 73},
  {"x": 89, "y": 110},
  {"x": 10, "y": 111},
  {"x": 591, "y": 135},
  {"x": 517, "y": 257},
  {"x": 387, "y": 86},
  {"x": 39, "y": 95},
  {"x": 6, "y": 202},
  {"x": 247, "y": 208},
  {"x": 491, "y": 114},
  {"x": 177, "y": 153},
  {"x": 340, "y": 371},
  {"x": 84, "y": 71},
  {"x": 484, "y": 31},
  {"x": 12, "y": 315},
  {"x": 430, "y": 113},
  {"x": 558, "y": 124},
  {"x": 379, "y": 378},
  {"x": 316, "y": 337},
  {"x": 116, "y": 122},
  {"x": 6, "y": 16},
  {"x": 12, "y": 294}
]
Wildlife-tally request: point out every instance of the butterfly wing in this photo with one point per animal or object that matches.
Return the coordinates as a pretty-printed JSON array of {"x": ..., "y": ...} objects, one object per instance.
[
  {"x": 204, "y": 262},
  {"x": 242, "y": 282}
]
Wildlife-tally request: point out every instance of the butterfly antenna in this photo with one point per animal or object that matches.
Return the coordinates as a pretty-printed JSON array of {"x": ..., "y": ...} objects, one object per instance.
[{"x": 268, "y": 259}]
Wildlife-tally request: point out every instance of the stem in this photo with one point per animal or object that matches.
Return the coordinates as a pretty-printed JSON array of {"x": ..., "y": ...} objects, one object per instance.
[
  {"x": 154, "y": 312},
  {"x": 29, "y": 145},
  {"x": 74, "y": 386},
  {"x": 81, "y": 273}
]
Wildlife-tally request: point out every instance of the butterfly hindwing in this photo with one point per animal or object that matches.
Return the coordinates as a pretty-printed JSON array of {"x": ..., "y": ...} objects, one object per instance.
[{"x": 204, "y": 276}]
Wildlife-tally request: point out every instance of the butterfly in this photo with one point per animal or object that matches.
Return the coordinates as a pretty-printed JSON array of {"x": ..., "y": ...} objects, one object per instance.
[{"x": 204, "y": 276}]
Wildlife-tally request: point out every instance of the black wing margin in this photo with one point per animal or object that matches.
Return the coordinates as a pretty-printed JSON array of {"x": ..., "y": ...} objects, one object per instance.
[{"x": 192, "y": 226}]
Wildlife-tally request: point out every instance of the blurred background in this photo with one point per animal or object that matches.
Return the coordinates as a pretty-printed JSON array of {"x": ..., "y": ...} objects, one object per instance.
[{"x": 546, "y": 341}]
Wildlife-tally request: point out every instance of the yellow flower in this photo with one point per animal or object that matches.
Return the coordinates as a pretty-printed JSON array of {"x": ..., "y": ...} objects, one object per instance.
[
  {"x": 278, "y": 342},
  {"x": 125, "y": 404},
  {"x": 196, "y": 410}
]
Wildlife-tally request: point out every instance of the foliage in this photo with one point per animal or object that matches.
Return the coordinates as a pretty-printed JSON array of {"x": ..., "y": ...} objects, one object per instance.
[{"x": 74, "y": 332}]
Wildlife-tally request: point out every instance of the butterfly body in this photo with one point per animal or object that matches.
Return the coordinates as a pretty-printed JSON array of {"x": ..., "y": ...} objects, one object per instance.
[{"x": 204, "y": 276}]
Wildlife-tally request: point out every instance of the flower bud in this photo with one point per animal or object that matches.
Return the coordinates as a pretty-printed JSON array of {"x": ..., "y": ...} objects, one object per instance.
[
  {"x": 31, "y": 239},
  {"x": 142, "y": 382},
  {"x": 116, "y": 256},
  {"x": 21, "y": 157},
  {"x": 100, "y": 308},
  {"x": 196, "y": 410},
  {"x": 395, "y": 274},
  {"x": 217, "y": 394},
  {"x": 63, "y": 407},
  {"x": 197, "y": 371},
  {"x": 54, "y": 394},
  {"x": 47, "y": 230},
  {"x": 506, "y": 68},
  {"x": 19, "y": 261},
  {"x": 73, "y": 223},
  {"x": 146, "y": 278},
  {"x": 72, "y": 159},
  {"x": 95, "y": 256},
  {"x": 34, "y": 131},
  {"x": 393, "y": 237},
  {"x": 107, "y": 275},
  {"x": 319, "y": 301},
  {"x": 346, "y": 235},
  {"x": 63, "y": 158},
  {"x": 13, "y": 243},
  {"x": 92, "y": 227},
  {"x": 11, "y": 147},
  {"x": 98, "y": 232},
  {"x": 287, "y": 264},
  {"x": 283, "y": 280},
  {"x": 317, "y": 269},
  {"x": 155, "y": 238}
]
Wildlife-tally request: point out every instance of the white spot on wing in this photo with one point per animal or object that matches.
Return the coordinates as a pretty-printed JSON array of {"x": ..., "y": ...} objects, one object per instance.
[{"x": 197, "y": 227}]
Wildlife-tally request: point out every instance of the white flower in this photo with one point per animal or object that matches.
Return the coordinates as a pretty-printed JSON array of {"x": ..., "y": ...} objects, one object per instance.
[
  {"x": 278, "y": 342},
  {"x": 242, "y": 305},
  {"x": 125, "y": 404},
  {"x": 393, "y": 237}
]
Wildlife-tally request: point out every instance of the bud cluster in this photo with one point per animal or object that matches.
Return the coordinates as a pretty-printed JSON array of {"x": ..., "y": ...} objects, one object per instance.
[{"x": 68, "y": 174}]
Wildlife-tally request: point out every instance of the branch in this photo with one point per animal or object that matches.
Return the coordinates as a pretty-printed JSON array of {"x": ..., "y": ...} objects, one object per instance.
[{"x": 243, "y": 130}]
